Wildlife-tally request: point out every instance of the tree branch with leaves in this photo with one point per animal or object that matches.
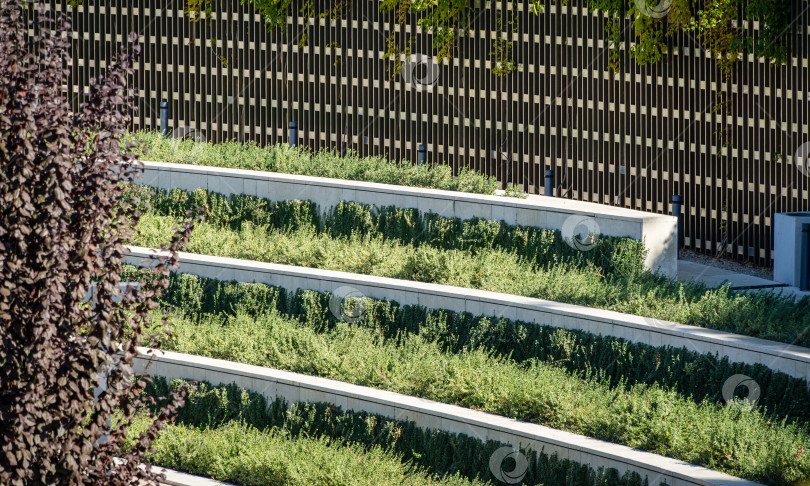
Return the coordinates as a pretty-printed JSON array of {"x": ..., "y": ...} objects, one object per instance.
[{"x": 68, "y": 210}]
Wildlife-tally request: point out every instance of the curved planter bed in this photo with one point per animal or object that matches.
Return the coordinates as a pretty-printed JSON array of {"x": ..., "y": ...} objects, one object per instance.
[
  {"x": 789, "y": 359},
  {"x": 294, "y": 387},
  {"x": 657, "y": 231}
]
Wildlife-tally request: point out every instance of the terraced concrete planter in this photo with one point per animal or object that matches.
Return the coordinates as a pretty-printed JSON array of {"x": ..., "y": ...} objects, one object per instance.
[
  {"x": 789, "y": 359},
  {"x": 294, "y": 387},
  {"x": 657, "y": 231}
]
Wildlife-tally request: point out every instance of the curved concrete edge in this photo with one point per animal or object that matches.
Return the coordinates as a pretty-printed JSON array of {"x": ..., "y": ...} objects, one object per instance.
[
  {"x": 178, "y": 478},
  {"x": 789, "y": 359},
  {"x": 657, "y": 231},
  {"x": 294, "y": 387}
]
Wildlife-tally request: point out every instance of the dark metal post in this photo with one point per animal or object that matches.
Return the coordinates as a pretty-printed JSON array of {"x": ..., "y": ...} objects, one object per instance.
[
  {"x": 677, "y": 204},
  {"x": 164, "y": 118},
  {"x": 421, "y": 154},
  {"x": 804, "y": 275},
  {"x": 548, "y": 188},
  {"x": 293, "y": 134}
]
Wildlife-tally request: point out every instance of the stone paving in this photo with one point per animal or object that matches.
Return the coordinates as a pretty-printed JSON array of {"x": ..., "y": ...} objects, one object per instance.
[{"x": 713, "y": 276}]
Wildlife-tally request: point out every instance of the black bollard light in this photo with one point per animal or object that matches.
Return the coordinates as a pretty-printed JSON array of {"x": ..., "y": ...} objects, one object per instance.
[
  {"x": 548, "y": 186},
  {"x": 164, "y": 118},
  {"x": 293, "y": 134},
  {"x": 421, "y": 154},
  {"x": 677, "y": 204}
]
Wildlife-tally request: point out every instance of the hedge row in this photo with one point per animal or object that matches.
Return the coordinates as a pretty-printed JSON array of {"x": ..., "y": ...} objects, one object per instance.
[
  {"x": 609, "y": 279},
  {"x": 301, "y": 161},
  {"x": 438, "y": 453},
  {"x": 613, "y": 360},
  {"x": 735, "y": 439},
  {"x": 615, "y": 256},
  {"x": 243, "y": 455}
]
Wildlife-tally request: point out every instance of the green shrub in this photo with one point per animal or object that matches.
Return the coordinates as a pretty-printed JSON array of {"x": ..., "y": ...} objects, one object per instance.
[
  {"x": 612, "y": 360},
  {"x": 747, "y": 443},
  {"x": 246, "y": 456},
  {"x": 504, "y": 267},
  {"x": 207, "y": 406},
  {"x": 301, "y": 161},
  {"x": 620, "y": 256},
  {"x": 439, "y": 453}
]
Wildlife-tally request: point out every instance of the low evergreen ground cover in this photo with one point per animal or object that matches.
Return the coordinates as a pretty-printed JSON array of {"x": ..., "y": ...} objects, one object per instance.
[
  {"x": 479, "y": 254},
  {"x": 246, "y": 456},
  {"x": 301, "y": 161},
  {"x": 615, "y": 361},
  {"x": 251, "y": 328},
  {"x": 446, "y": 458},
  {"x": 615, "y": 256}
]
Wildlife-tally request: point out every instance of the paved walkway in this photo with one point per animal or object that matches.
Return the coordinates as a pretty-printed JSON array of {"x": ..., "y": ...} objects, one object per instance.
[{"x": 715, "y": 277}]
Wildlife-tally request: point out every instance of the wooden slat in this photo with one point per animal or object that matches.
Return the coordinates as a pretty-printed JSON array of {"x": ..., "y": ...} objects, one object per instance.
[{"x": 631, "y": 140}]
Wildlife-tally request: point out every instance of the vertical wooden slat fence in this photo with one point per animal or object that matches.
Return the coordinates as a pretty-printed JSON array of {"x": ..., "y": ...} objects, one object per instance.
[{"x": 633, "y": 139}]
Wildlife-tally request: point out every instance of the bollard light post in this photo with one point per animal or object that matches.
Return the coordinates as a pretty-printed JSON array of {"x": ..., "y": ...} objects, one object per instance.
[
  {"x": 164, "y": 118},
  {"x": 293, "y": 134},
  {"x": 677, "y": 211},
  {"x": 548, "y": 187},
  {"x": 421, "y": 154}
]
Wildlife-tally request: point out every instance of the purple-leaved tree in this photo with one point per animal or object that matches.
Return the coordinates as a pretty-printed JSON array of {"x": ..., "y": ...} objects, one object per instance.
[{"x": 65, "y": 216}]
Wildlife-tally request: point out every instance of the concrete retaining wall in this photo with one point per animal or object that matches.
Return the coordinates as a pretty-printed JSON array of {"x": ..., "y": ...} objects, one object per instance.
[
  {"x": 294, "y": 387},
  {"x": 789, "y": 359},
  {"x": 170, "y": 476},
  {"x": 657, "y": 231},
  {"x": 177, "y": 478}
]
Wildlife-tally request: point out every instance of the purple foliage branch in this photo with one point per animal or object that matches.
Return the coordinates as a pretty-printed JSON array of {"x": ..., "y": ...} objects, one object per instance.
[{"x": 67, "y": 210}]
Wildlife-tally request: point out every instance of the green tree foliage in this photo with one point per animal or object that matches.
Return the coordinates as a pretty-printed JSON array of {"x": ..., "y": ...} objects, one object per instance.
[{"x": 653, "y": 21}]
